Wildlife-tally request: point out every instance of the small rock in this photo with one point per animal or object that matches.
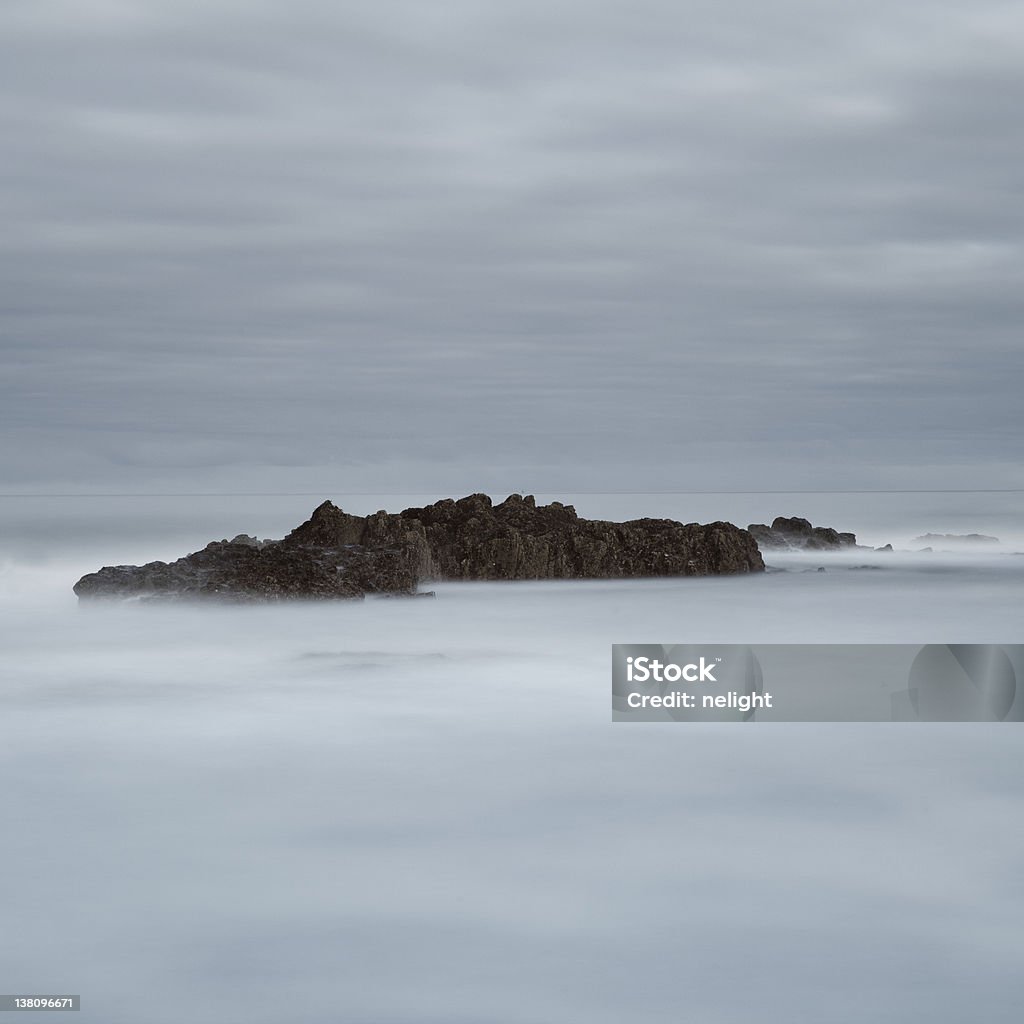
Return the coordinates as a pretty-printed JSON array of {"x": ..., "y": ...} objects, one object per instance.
[{"x": 796, "y": 534}]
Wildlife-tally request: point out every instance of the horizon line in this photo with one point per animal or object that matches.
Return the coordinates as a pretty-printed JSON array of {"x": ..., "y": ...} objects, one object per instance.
[{"x": 395, "y": 494}]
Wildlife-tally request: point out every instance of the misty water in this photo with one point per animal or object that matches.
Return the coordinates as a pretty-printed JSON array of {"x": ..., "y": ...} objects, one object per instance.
[{"x": 398, "y": 811}]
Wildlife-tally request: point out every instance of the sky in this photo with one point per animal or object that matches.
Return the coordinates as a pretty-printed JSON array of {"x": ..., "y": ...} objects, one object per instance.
[{"x": 529, "y": 246}]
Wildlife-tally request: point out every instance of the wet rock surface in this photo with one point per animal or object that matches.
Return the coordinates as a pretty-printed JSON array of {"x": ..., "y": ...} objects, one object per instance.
[
  {"x": 797, "y": 534},
  {"x": 338, "y": 555}
]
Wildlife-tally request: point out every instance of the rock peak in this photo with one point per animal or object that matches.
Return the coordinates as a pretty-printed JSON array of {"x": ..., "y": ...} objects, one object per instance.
[{"x": 328, "y": 525}]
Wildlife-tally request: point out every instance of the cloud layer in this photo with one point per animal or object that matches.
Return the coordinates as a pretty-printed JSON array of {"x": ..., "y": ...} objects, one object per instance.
[{"x": 483, "y": 244}]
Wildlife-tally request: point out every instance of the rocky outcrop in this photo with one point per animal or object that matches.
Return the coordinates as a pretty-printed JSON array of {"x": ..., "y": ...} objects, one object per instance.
[
  {"x": 337, "y": 555},
  {"x": 273, "y": 570},
  {"x": 955, "y": 540},
  {"x": 799, "y": 535}
]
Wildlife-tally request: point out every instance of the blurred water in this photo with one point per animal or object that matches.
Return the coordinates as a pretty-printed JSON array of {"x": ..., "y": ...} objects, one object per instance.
[{"x": 420, "y": 811}]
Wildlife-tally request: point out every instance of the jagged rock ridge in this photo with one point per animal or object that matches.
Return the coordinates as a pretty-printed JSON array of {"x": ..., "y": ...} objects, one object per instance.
[{"x": 337, "y": 555}]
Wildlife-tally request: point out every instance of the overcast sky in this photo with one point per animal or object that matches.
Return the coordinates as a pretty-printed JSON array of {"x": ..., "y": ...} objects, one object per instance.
[{"x": 484, "y": 244}]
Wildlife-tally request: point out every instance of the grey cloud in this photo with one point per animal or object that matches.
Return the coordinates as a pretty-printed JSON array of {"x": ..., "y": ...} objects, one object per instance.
[{"x": 496, "y": 240}]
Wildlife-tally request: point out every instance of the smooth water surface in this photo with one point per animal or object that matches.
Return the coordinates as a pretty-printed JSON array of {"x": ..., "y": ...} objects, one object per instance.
[{"x": 398, "y": 811}]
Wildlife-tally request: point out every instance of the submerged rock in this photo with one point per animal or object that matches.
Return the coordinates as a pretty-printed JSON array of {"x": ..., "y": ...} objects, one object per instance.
[
  {"x": 337, "y": 555},
  {"x": 799, "y": 535}
]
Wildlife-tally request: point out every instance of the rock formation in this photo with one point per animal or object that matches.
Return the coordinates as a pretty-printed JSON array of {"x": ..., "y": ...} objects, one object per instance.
[
  {"x": 955, "y": 540},
  {"x": 798, "y": 535},
  {"x": 337, "y": 555}
]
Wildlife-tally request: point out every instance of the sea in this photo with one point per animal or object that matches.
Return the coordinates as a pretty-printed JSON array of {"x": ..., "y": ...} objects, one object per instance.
[{"x": 397, "y": 811}]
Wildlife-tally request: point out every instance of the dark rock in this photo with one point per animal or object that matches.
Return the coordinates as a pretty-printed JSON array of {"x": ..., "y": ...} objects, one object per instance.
[
  {"x": 763, "y": 535},
  {"x": 337, "y": 555},
  {"x": 799, "y": 535},
  {"x": 244, "y": 538},
  {"x": 884, "y": 547},
  {"x": 795, "y": 525}
]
